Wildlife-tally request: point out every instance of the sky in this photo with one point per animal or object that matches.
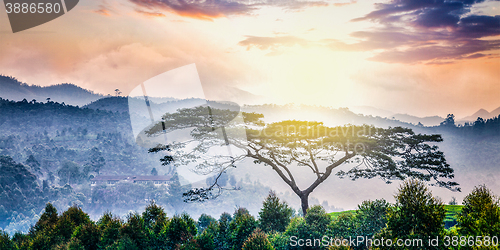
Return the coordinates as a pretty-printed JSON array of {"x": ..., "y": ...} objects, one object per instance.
[{"x": 421, "y": 57}]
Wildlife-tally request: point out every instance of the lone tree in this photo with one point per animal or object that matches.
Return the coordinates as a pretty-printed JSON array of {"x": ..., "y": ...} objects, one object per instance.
[{"x": 391, "y": 154}]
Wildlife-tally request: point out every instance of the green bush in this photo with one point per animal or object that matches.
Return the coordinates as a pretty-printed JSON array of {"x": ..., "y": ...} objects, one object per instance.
[
  {"x": 313, "y": 226},
  {"x": 241, "y": 227},
  {"x": 480, "y": 215},
  {"x": 257, "y": 241},
  {"x": 274, "y": 215},
  {"x": 204, "y": 221},
  {"x": 5, "y": 242},
  {"x": 208, "y": 238},
  {"x": 416, "y": 215},
  {"x": 109, "y": 227},
  {"x": 279, "y": 240},
  {"x": 180, "y": 230}
]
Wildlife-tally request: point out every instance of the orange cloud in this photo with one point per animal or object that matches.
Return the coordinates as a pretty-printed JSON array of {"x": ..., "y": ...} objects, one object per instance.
[
  {"x": 150, "y": 14},
  {"x": 211, "y": 9},
  {"x": 344, "y": 4},
  {"x": 103, "y": 10}
]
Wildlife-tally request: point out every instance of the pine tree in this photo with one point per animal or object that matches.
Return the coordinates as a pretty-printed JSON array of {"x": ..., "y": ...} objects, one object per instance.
[
  {"x": 241, "y": 227},
  {"x": 274, "y": 215},
  {"x": 417, "y": 215},
  {"x": 480, "y": 215}
]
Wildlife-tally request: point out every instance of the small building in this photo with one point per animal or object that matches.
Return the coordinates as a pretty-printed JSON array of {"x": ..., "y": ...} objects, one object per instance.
[{"x": 157, "y": 180}]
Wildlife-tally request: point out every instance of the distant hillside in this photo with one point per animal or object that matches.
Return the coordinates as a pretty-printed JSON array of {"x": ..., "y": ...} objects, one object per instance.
[
  {"x": 367, "y": 110},
  {"x": 55, "y": 134},
  {"x": 450, "y": 220},
  {"x": 426, "y": 121},
  {"x": 158, "y": 105},
  {"x": 483, "y": 114},
  {"x": 329, "y": 116},
  {"x": 495, "y": 112},
  {"x": 12, "y": 89},
  {"x": 112, "y": 103}
]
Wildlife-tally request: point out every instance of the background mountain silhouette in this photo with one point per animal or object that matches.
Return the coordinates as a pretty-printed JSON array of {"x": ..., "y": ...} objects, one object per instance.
[
  {"x": 481, "y": 113},
  {"x": 12, "y": 89}
]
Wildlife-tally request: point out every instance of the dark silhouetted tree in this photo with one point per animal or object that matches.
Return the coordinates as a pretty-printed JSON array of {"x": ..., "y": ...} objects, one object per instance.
[
  {"x": 154, "y": 172},
  {"x": 449, "y": 121},
  {"x": 391, "y": 154}
]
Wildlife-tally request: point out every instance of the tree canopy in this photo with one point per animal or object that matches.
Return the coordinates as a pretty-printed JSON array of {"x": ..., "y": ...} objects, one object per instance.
[{"x": 390, "y": 154}]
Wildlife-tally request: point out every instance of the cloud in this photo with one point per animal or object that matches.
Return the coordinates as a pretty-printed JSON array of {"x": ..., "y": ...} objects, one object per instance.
[
  {"x": 344, "y": 4},
  {"x": 196, "y": 9},
  {"x": 415, "y": 31},
  {"x": 402, "y": 8},
  {"x": 150, "y": 14},
  {"x": 437, "y": 53},
  {"x": 103, "y": 10},
  {"x": 274, "y": 44},
  {"x": 210, "y": 9}
]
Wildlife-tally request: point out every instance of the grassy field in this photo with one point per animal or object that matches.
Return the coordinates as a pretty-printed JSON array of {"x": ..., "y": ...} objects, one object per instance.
[
  {"x": 451, "y": 215},
  {"x": 450, "y": 219}
]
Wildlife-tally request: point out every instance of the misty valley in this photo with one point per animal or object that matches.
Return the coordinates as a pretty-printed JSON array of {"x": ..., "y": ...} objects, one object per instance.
[{"x": 74, "y": 176}]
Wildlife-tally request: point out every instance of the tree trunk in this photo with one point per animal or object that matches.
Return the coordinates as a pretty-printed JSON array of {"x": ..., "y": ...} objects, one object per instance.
[{"x": 304, "y": 200}]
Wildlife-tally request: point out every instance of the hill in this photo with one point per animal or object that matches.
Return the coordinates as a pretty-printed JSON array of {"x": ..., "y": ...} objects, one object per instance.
[
  {"x": 158, "y": 105},
  {"x": 12, "y": 89},
  {"x": 481, "y": 113},
  {"x": 426, "y": 121},
  {"x": 450, "y": 220},
  {"x": 367, "y": 110},
  {"x": 495, "y": 112}
]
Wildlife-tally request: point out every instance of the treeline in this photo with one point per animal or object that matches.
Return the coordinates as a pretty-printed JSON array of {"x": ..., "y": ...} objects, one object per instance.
[
  {"x": 12, "y": 88},
  {"x": 480, "y": 127},
  {"x": 57, "y": 149},
  {"x": 415, "y": 215},
  {"x": 23, "y": 196}
]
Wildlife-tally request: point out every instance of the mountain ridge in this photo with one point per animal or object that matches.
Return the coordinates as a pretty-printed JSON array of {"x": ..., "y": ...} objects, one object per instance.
[
  {"x": 13, "y": 89},
  {"x": 483, "y": 113}
]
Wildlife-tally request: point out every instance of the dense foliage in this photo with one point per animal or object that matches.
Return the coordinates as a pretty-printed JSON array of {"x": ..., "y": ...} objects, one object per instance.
[
  {"x": 390, "y": 154},
  {"x": 480, "y": 215},
  {"x": 275, "y": 215},
  {"x": 416, "y": 215},
  {"x": 52, "y": 151}
]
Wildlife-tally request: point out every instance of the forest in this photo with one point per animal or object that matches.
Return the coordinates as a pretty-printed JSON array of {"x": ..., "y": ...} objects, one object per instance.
[
  {"x": 410, "y": 223},
  {"x": 50, "y": 151}
]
